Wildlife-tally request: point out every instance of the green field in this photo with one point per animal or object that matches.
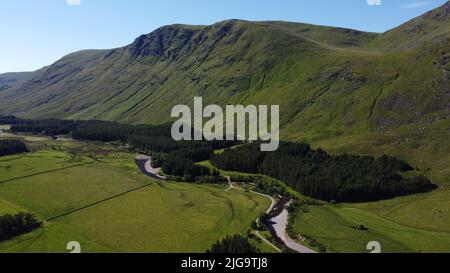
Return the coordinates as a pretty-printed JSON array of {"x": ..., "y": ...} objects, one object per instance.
[
  {"x": 425, "y": 211},
  {"x": 18, "y": 166},
  {"x": 336, "y": 234},
  {"x": 156, "y": 217},
  {"x": 9, "y": 208},
  {"x": 5, "y": 127},
  {"x": 56, "y": 192},
  {"x": 160, "y": 218}
]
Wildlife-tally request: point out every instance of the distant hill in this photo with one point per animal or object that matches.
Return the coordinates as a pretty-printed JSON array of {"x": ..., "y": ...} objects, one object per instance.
[
  {"x": 330, "y": 82},
  {"x": 432, "y": 27}
]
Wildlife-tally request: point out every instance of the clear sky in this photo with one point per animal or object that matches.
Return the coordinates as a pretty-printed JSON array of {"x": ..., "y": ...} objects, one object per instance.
[{"x": 35, "y": 33}]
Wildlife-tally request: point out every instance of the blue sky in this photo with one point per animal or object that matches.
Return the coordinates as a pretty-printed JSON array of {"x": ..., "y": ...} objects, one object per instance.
[{"x": 35, "y": 33}]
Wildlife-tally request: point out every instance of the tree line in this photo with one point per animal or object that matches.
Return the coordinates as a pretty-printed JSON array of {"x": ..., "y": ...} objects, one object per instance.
[
  {"x": 176, "y": 158},
  {"x": 341, "y": 178},
  {"x": 236, "y": 244},
  {"x": 12, "y": 146},
  {"x": 104, "y": 131},
  {"x": 49, "y": 127},
  {"x": 15, "y": 225}
]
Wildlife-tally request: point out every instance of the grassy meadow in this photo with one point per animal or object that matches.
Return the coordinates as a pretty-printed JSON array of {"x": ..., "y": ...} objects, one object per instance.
[
  {"x": 159, "y": 218},
  {"x": 335, "y": 228},
  {"x": 9, "y": 208}
]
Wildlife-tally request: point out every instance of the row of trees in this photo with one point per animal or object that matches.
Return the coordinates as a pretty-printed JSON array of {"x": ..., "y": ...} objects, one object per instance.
[
  {"x": 342, "y": 178},
  {"x": 9, "y": 120},
  {"x": 84, "y": 130},
  {"x": 15, "y": 225},
  {"x": 176, "y": 158},
  {"x": 50, "y": 127},
  {"x": 185, "y": 168},
  {"x": 110, "y": 132},
  {"x": 12, "y": 146}
]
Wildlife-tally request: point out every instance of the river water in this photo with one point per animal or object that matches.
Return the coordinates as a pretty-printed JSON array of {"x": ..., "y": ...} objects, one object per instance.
[{"x": 279, "y": 219}]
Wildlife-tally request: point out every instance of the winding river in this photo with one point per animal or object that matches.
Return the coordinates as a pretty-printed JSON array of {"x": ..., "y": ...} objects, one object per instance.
[
  {"x": 278, "y": 212},
  {"x": 277, "y": 224}
]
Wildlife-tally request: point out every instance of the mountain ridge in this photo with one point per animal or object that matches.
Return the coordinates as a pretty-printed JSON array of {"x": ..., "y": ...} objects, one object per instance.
[
  {"x": 330, "y": 83},
  {"x": 224, "y": 43}
]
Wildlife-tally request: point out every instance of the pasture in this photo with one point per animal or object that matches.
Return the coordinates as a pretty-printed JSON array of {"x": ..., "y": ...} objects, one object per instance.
[
  {"x": 335, "y": 227},
  {"x": 157, "y": 218}
]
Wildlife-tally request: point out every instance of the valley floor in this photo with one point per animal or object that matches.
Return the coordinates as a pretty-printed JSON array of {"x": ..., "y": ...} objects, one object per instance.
[
  {"x": 335, "y": 228},
  {"x": 415, "y": 223},
  {"x": 96, "y": 195}
]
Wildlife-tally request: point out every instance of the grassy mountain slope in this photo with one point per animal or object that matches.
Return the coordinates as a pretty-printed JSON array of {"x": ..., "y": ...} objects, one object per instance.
[
  {"x": 226, "y": 62},
  {"x": 10, "y": 79},
  {"x": 335, "y": 86},
  {"x": 320, "y": 76},
  {"x": 431, "y": 27},
  {"x": 329, "y": 82}
]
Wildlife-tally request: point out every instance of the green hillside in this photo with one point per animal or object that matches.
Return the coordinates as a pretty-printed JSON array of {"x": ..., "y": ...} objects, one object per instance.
[
  {"x": 319, "y": 75},
  {"x": 8, "y": 80},
  {"x": 342, "y": 89}
]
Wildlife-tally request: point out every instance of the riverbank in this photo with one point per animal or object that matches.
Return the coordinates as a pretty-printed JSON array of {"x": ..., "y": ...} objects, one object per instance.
[{"x": 278, "y": 223}]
